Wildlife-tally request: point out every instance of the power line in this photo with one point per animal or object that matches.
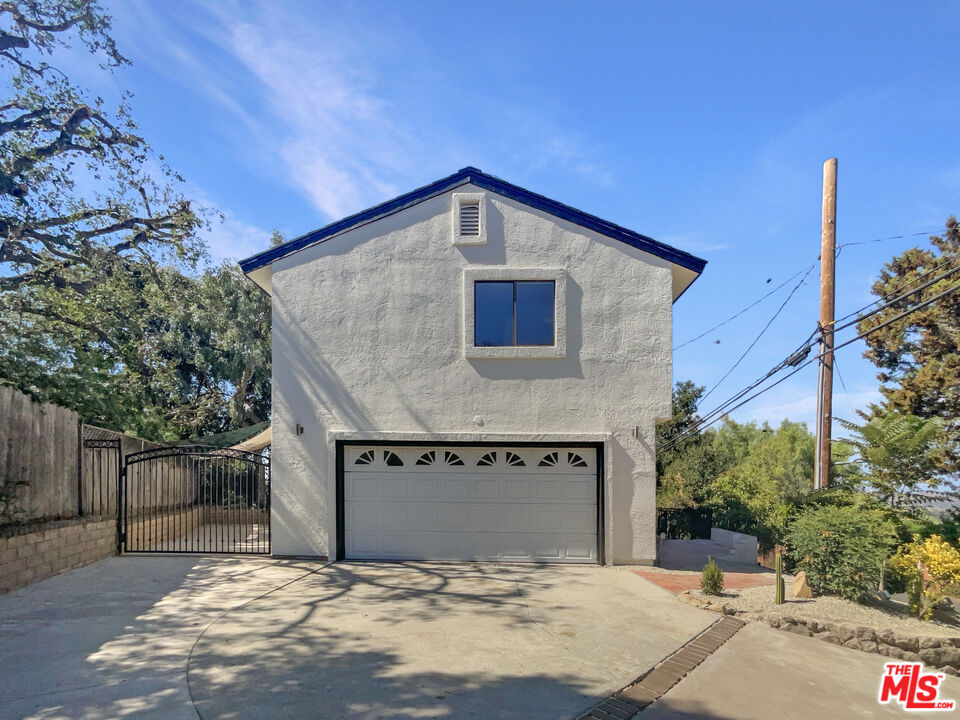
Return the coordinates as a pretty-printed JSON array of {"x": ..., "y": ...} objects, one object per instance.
[
  {"x": 836, "y": 367},
  {"x": 887, "y": 296},
  {"x": 741, "y": 312},
  {"x": 792, "y": 359},
  {"x": 760, "y": 334},
  {"x": 898, "y": 298},
  {"x": 785, "y": 282},
  {"x": 703, "y": 424},
  {"x": 892, "y": 237}
]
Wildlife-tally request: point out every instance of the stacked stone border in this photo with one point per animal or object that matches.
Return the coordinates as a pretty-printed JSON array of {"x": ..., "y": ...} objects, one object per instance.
[
  {"x": 36, "y": 551},
  {"x": 938, "y": 652},
  {"x": 652, "y": 685}
]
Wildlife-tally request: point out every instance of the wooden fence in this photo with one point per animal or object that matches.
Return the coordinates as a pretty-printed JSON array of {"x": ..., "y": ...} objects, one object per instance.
[
  {"x": 68, "y": 469},
  {"x": 39, "y": 447}
]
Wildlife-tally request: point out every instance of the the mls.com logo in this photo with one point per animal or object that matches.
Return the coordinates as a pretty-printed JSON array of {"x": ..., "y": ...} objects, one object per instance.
[{"x": 907, "y": 684}]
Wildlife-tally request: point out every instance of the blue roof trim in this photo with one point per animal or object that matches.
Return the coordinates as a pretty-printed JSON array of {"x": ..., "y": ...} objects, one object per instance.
[{"x": 487, "y": 182}]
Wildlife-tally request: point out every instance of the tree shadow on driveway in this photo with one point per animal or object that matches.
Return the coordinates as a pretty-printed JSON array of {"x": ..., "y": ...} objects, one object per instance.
[{"x": 419, "y": 640}]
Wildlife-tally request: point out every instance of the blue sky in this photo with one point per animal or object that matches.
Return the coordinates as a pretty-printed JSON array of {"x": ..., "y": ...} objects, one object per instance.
[{"x": 704, "y": 125}]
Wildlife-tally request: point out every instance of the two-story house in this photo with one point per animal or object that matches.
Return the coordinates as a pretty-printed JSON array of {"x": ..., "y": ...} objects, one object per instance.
[{"x": 470, "y": 371}]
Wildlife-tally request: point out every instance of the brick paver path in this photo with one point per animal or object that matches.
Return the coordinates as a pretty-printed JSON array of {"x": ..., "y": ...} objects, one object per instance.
[{"x": 678, "y": 582}]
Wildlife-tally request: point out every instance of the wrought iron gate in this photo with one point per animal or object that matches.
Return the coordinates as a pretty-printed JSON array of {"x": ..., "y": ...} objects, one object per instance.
[{"x": 195, "y": 500}]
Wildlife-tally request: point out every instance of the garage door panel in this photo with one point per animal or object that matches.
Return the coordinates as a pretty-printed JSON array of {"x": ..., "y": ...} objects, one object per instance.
[
  {"x": 363, "y": 487},
  {"x": 514, "y": 487},
  {"x": 471, "y": 503},
  {"x": 423, "y": 487},
  {"x": 484, "y": 516},
  {"x": 486, "y": 487},
  {"x": 454, "y": 487},
  {"x": 451, "y": 516},
  {"x": 394, "y": 487},
  {"x": 577, "y": 489}
]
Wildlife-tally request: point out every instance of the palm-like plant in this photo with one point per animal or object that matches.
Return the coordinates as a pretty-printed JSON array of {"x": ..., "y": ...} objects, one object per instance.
[{"x": 900, "y": 453}]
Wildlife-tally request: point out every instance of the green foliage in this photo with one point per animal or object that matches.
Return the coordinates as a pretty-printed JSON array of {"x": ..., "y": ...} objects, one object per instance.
[
  {"x": 900, "y": 454},
  {"x": 711, "y": 578},
  {"x": 842, "y": 547},
  {"x": 685, "y": 481},
  {"x": 102, "y": 307},
  {"x": 758, "y": 493},
  {"x": 918, "y": 357},
  {"x": 923, "y": 524},
  {"x": 684, "y": 416}
]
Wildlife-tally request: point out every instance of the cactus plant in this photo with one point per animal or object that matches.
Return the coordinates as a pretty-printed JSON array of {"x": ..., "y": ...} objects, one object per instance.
[{"x": 780, "y": 588}]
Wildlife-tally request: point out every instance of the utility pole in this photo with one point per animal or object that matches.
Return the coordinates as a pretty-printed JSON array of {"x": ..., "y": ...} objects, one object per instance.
[{"x": 828, "y": 257}]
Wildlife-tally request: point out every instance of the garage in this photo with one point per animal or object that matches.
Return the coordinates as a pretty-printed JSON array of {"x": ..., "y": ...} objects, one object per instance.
[{"x": 469, "y": 502}]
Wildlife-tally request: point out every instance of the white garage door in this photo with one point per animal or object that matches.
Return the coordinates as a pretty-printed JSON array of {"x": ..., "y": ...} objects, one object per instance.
[{"x": 470, "y": 503}]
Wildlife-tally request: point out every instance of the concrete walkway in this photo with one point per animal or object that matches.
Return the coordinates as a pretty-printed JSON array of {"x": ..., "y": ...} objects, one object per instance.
[
  {"x": 117, "y": 640},
  {"x": 762, "y": 673}
]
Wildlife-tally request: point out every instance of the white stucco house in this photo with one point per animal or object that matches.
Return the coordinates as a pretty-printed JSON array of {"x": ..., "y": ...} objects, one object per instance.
[{"x": 470, "y": 371}]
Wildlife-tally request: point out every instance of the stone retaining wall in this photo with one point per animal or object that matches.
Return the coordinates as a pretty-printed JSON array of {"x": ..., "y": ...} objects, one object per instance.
[
  {"x": 942, "y": 653},
  {"x": 34, "y": 552},
  {"x": 938, "y": 652}
]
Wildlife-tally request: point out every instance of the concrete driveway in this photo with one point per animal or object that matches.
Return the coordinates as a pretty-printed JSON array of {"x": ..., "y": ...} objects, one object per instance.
[{"x": 180, "y": 637}]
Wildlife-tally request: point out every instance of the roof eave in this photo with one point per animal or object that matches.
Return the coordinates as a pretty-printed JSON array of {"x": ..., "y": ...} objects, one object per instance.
[{"x": 470, "y": 175}]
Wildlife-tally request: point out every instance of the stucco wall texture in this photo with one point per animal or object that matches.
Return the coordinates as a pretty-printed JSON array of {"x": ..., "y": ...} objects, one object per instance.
[{"x": 368, "y": 342}]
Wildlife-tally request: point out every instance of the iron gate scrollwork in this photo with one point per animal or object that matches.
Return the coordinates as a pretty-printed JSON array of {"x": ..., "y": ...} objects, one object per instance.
[{"x": 192, "y": 499}]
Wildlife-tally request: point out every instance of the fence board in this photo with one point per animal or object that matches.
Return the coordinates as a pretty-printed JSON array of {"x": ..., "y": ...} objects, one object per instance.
[{"x": 38, "y": 444}]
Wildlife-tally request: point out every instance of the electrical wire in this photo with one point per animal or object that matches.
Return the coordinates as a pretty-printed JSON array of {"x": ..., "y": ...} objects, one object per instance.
[
  {"x": 785, "y": 282},
  {"x": 876, "y": 240},
  {"x": 836, "y": 367},
  {"x": 760, "y": 334},
  {"x": 805, "y": 344},
  {"x": 887, "y": 296},
  {"x": 898, "y": 298},
  {"x": 706, "y": 421},
  {"x": 741, "y": 312}
]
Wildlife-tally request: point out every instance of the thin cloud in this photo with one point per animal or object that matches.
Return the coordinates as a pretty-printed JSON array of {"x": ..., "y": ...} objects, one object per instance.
[
  {"x": 314, "y": 105},
  {"x": 800, "y": 405}
]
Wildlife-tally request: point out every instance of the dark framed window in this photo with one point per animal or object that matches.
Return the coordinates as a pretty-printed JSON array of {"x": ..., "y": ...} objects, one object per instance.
[{"x": 513, "y": 313}]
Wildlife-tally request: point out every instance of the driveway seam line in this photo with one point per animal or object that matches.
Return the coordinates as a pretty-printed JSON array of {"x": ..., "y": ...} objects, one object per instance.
[
  {"x": 222, "y": 615},
  {"x": 526, "y": 604},
  {"x": 662, "y": 677}
]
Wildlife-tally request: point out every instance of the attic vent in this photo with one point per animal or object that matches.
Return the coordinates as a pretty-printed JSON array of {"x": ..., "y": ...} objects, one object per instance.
[{"x": 470, "y": 219}]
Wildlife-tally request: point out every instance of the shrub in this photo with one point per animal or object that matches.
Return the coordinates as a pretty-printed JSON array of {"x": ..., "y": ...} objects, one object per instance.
[
  {"x": 841, "y": 548},
  {"x": 711, "y": 579},
  {"x": 929, "y": 567}
]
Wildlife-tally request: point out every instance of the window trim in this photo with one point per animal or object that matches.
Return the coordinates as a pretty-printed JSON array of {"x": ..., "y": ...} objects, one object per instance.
[
  {"x": 460, "y": 199},
  {"x": 559, "y": 347}
]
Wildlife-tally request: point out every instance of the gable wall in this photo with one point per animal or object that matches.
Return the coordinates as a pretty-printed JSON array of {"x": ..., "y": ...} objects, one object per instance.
[{"x": 368, "y": 336}]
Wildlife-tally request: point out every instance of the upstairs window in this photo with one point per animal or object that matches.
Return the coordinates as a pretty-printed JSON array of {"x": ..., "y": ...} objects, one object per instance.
[{"x": 514, "y": 313}]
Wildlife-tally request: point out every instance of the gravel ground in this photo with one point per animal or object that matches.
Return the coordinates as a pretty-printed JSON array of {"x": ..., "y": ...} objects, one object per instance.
[{"x": 830, "y": 609}]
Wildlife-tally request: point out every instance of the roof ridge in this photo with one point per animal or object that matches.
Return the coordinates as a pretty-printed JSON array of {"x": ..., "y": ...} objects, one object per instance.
[{"x": 477, "y": 177}]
